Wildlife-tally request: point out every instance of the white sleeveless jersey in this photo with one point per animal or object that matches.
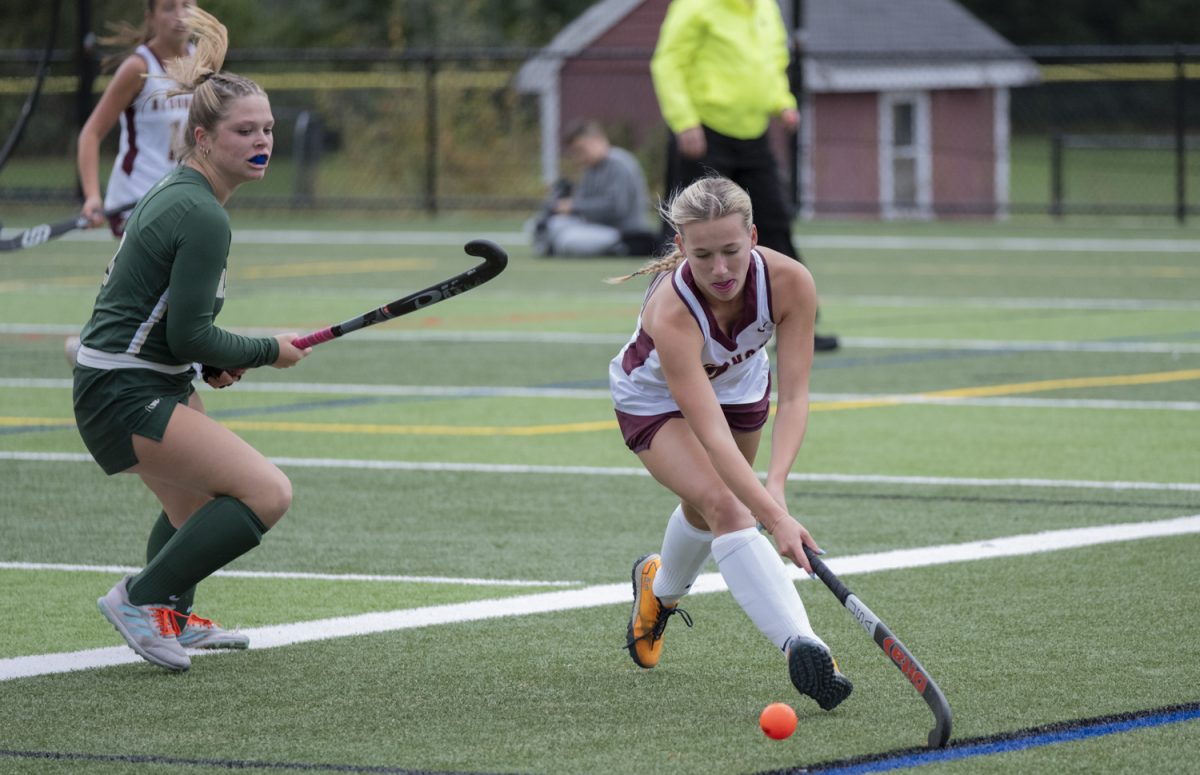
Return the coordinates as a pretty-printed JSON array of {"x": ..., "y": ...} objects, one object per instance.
[
  {"x": 738, "y": 367},
  {"x": 149, "y": 130}
]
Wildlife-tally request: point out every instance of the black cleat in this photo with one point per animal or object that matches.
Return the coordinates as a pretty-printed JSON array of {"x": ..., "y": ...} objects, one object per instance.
[{"x": 814, "y": 672}]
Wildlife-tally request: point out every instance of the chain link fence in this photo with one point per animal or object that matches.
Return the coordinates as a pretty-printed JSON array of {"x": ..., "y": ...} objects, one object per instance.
[{"x": 1099, "y": 131}]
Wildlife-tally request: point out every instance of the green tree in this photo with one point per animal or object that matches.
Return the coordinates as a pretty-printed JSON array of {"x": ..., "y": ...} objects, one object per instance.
[{"x": 1091, "y": 22}]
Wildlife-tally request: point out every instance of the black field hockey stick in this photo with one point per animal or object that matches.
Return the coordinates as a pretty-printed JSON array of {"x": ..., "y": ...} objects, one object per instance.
[
  {"x": 494, "y": 261},
  {"x": 44, "y": 232},
  {"x": 917, "y": 675}
]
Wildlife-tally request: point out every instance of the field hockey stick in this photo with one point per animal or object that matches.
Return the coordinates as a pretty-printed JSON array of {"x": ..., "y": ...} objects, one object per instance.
[
  {"x": 36, "y": 235},
  {"x": 494, "y": 261},
  {"x": 917, "y": 675}
]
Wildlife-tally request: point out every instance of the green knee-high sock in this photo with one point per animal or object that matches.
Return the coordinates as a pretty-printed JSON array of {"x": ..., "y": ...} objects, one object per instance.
[
  {"x": 218, "y": 533},
  {"x": 160, "y": 534}
]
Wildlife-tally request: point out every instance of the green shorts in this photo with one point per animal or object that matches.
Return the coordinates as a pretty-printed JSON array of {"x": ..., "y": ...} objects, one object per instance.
[{"x": 111, "y": 406}]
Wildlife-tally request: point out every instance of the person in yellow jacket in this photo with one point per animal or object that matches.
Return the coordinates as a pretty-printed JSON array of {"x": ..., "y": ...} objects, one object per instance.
[{"x": 720, "y": 75}]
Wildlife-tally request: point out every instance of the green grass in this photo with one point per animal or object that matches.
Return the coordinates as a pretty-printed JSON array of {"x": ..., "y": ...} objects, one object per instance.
[{"x": 1015, "y": 642}]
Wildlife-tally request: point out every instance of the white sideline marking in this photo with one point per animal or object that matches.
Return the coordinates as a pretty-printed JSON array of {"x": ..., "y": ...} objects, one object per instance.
[
  {"x": 591, "y": 394},
  {"x": 259, "y": 574},
  {"x": 613, "y": 594},
  {"x": 1006, "y": 244},
  {"x": 617, "y": 340},
  {"x": 338, "y": 237},
  {"x": 993, "y": 345},
  {"x": 496, "y": 468},
  {"x": 350, "y": 389},
  {"x": 1012, "y": 302},
  {"x": 833, "y": 241}
]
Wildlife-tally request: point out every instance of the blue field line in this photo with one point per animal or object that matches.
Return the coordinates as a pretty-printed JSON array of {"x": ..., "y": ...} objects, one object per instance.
[{"x": 1053, "y": 734}]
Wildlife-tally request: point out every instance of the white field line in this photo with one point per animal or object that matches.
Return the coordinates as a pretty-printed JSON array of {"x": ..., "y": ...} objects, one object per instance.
[
  {"x": 1013, "y": 302},
  {"x": 349, "y": 389},
  {"x": 614, "y": 594},
  {"x": 993, "y": 345},
  {"x": 590, "y": 394},
  {"x": 832, "y": 241},
  {"x": 338, "y": 237},
  {"x": 1022, "y": 403},
  {"x": 257, "y": 574},
  {"x": 1002, "y": 244},
  {"x": 510, "y": 469},
  {"x": 615, "y": 341}
]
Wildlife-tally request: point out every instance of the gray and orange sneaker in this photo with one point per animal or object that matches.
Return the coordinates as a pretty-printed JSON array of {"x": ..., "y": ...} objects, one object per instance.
[
  {"x": 150, "y": 630},
  {"x": 649, "y": 618},
  {"x": 196, "y": 632},
  {"x": 814, "y": 672}
]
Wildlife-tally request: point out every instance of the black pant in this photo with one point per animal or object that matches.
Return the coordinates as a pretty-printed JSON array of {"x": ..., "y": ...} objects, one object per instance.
[{"x": 751, "y": 165}]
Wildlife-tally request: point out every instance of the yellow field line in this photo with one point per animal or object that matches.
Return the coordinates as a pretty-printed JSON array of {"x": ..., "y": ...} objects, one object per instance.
[
  {"x": 413, "y": 79},
  {"x": 1014, "y": 388},
  {"x": 321, "y": 268},
  {"x": 448, "y": 77},
  {"x": 1152, "y": 378},
  {"x": 1117, "y": 71},
  {"x": 306, "y": 269},
  {"x": 26, "y": 422},
  {"x": 51, "y": 282}
]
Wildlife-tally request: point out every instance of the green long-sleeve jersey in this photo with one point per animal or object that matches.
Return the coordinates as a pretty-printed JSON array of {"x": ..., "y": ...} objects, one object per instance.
[{"x": 163, "y": 289}]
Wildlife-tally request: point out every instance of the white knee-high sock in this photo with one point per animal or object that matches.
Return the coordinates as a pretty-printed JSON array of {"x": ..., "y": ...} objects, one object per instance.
[
  {"x": 760, "y": 584},
  {"x": 685, "y": 549}
]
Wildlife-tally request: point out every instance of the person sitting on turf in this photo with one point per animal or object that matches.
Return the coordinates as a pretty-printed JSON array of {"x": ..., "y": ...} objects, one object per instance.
[
  {"x": 135, "y": 406},
  {"x": 607, "y": 213},
  {"x": 691, "y": 390}
]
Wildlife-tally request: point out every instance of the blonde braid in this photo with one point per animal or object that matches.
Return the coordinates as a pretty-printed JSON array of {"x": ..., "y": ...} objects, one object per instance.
[{"x": 665, "y": 263}]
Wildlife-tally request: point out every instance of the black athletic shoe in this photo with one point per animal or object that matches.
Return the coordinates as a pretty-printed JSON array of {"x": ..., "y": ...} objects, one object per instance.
[
  {"x": 825, "y": 344},
  {"x": 815, "y": 672}
]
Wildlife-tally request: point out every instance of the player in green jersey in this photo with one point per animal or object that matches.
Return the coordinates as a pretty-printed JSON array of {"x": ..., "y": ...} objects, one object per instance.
[{"x": 154, "y": 316}]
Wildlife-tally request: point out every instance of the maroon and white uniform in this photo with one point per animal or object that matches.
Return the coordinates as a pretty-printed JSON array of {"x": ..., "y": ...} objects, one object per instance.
[
  {"x": 150, "y": 128},
  {"x": 738, "y": 367}
]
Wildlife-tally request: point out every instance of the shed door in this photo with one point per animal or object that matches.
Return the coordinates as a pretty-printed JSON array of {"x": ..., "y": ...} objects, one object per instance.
[{"x": 905, "y": 164}]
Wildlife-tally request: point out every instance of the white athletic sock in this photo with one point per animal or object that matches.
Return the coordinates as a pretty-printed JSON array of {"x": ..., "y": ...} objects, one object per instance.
[
  {"x": 685, "y": 549},
  {"x": 760, "y": 584}
]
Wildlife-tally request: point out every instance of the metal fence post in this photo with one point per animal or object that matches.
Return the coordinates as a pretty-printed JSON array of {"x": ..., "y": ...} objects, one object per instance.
[
  {"x": 1180, "y": 136},
  {"x": 1056, "y": 174},
  {"x": 306, "y": 144},
  {"x": 431, "y": 134}
]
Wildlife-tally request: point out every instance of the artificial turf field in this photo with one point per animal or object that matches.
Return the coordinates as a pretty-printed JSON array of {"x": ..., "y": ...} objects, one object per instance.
[{"x": 1016, "y": 405}]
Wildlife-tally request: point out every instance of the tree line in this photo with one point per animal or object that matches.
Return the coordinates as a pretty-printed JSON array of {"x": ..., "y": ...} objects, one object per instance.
[{"x": 423, "y": 24}]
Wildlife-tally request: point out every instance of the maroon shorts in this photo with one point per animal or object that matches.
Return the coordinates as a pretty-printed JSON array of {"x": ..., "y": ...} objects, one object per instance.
[
  {"x": 116, "y": 224},
  {"x": 639, "y": 430}
]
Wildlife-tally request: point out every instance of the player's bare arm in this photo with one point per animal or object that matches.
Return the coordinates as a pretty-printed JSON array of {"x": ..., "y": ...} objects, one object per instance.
[
  {"x": 122, "y": 90},
  {"x": 794, "y": 298},
  {"x": 678, "y": 342}
]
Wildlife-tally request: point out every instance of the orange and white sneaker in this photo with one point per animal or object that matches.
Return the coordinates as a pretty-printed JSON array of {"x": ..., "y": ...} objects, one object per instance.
[
  {"x": 200, "y": 633},
  {"x": 649, "y": 618}
]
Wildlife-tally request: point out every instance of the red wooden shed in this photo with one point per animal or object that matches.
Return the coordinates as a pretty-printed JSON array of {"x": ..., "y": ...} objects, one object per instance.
[{"x": 905, "y": 104}]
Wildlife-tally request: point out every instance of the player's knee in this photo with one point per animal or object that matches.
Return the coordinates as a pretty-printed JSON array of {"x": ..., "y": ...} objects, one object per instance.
[
  {"x": 721, "y": 510},
  {"x": 272, "y": 498}
]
